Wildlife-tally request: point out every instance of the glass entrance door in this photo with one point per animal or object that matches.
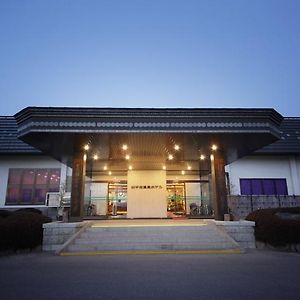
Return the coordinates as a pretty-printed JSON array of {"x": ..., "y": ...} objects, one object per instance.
[
  {"x": 176, "y": 198},
  {"x": 117, "y": 199}
]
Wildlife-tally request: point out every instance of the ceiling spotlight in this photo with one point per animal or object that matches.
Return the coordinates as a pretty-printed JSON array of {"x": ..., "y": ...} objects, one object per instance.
[
  {"x": 105, "y": 168},
  {"x": 164, "y": 167},
  {"x": 86, "y": 147},
  {"x": 176, "y": 147},
  {"x": 109, "y": 173},
  {"x": 130, "y": 167},
  {"x": 182, "y": 172},
  {"x": 170, "y": 157},
  {"x": 127, "y": 156},
  {"x": 189, "y": 167},
  {"x": 214, "y": 147},
  {"x": 124, "y": 147},
  {"x": 202, "y": 157},
  {"x": 95, "y": 157}
]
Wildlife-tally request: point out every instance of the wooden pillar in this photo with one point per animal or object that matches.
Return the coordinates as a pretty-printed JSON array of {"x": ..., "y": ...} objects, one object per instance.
[
  {"x": 78, "y": 182},
  {"x": 218, "y": 185}
]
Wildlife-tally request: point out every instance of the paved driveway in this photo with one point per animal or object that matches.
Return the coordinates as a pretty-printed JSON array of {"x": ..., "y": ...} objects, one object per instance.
[{"x": 254, "y": 275}]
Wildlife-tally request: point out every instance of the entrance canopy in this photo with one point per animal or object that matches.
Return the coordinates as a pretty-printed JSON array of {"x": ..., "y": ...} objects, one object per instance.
[{"x": 151, "y": 134}]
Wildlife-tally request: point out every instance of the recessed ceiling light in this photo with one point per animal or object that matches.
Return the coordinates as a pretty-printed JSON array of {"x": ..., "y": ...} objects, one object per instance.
[
  {"x": 182, "y": 172},
  {"x": 130, "y": 167},
  {"x": 176, "y": 147},
  {"x": 95, "y": 157},
  {"x": 202, "y": 157},
  {"x": 109, "y": 173},
  {"x": 105, "y": 168},
  {"x": 214, "y": 147},
  {"x": 164, "y": 167},
  {"x": 124, "y": 147},
  {"x": 86, "y": 147},
  {"x": 127, "y": 156},
  {"x": 170, "y": 157},
  {"x": 189, "y": 167}
]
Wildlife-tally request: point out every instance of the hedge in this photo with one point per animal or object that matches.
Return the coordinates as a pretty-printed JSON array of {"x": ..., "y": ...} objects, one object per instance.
[
  {"x": 22, "y": 230},
  {"x": 277, "y": 226}
]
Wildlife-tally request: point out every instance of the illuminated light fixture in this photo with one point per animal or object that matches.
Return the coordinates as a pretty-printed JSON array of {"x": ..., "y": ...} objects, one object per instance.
[
  {"x": 189, "y": 168},
  {"x": 124, "y": 147},
  {"x": 176, "y": 147},
  {"x": 202, "y": 156},
  {"x": 164, "y": 167},
  {"x": 86, "y": 147},
  {"x": 170, "y": 157},
  {"x": 84, "y": 157},
  {"x": 214, "y": 147},
  {"x": 109, "y": 173},
  {"x": 182, "y": 172},
  {"x": 127, "y": 156},
  {"x": 130, "y": 167},
  {"x": 95, "y": 157},
  {"x": 105, "y": 168},
  {"x": 212, "y": 157}
]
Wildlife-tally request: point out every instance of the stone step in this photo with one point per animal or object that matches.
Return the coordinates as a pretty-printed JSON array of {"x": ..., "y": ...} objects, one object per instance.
[
  {"x": 149, "y": 247},
  {"x": 152, "y": 238}
]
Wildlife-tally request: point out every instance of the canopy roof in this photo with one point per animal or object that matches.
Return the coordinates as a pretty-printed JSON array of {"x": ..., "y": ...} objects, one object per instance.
[{"x": 150, "y": 133}]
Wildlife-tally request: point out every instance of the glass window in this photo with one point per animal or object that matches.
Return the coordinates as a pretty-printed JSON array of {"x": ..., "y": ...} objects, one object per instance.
[
  {"x": 30, "y": 186},
  {"x": 28, "y": 177},
  {"x": 14, "y": 176},
  {"x": 281, "y": 187},
  {"x": 245, "y": 186},
  {"x": 256, "y": 186},
  {"x": 263, "y": 186},
  {"x": 269, "y": 187}
]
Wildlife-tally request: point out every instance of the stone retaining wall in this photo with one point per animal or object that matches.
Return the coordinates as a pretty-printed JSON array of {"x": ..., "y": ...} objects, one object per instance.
[
  {"x": 241, "y": 206},
  {"x": 57, "y": 233},
  {"x": 241, "y": 231}
]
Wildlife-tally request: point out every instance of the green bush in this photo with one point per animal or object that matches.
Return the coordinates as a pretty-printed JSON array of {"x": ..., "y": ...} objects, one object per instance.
[
  {"x": 22, "y": 230},
  {"x": 275, "y": 230}
]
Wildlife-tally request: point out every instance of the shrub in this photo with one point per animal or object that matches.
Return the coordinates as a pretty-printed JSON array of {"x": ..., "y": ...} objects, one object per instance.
[
  {"x": 22, "y": 230},
  {"x": 272, "y": 229},
  {"x": 5, "y": 213},
  {"x": 27, "y": 210}
]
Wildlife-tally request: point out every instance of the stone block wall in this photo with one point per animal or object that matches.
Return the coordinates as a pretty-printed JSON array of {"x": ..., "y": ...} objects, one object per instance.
[
  {"x": 241, "y": 206},
  {"x": 57, "y": 233},
  {"x": 241, "y": 231}
]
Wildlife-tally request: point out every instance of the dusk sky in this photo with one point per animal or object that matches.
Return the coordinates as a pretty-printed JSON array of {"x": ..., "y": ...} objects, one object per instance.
[{"x": 155, "y": 53}]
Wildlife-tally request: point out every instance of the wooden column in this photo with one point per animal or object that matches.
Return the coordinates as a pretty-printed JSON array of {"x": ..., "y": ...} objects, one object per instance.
[
  {"x": 78, "y": 182},
  {"x": 218, "y": 185}
]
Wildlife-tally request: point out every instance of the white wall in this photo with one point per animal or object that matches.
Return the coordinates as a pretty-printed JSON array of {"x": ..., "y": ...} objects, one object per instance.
[
  {"x": 148, "y": 202},
  {"x": 265, "y": 167},
  {"x": 30, "y": 161}
]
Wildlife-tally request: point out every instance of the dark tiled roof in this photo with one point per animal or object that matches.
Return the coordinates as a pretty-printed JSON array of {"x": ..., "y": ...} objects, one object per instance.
[
  {"x": 290, "y": 139},
  {"x": 288, "y": 144},
  {"x": 9, "y": 143}
]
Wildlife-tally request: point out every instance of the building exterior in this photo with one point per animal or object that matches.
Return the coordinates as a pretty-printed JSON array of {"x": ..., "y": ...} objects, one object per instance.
[{"x": 148, "y": 163}]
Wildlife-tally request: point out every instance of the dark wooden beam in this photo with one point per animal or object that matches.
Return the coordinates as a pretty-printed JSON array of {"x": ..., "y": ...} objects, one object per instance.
[
  {"x": 218, "y": 185},
  {"x": 78, "y": 182}
]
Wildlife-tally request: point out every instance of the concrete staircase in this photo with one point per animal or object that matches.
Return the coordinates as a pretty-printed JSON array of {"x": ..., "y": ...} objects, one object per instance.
[{"x": 152, "y": 236}]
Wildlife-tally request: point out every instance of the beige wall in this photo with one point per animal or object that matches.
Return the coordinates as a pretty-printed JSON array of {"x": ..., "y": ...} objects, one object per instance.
[{"x": 146, "y": 202}]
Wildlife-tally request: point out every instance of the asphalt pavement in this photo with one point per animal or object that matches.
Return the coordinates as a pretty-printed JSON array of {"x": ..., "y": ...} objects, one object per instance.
[{"x": 253, "y": 275}]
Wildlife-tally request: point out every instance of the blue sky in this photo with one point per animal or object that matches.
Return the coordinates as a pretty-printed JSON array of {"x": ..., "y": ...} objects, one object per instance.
[{"x": 156, "y": 53}]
